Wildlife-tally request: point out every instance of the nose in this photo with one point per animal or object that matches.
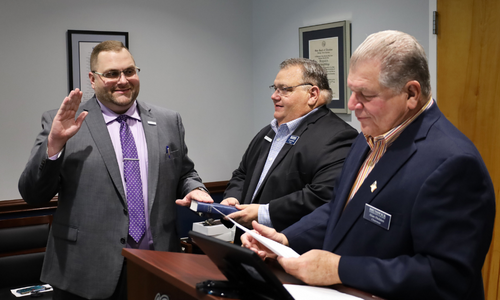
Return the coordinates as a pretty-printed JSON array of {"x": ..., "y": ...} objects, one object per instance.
[
  {"x": 354, "y": 103},
  {"x": 122, "y": 78},
  {"x": 276, "y": 96}
]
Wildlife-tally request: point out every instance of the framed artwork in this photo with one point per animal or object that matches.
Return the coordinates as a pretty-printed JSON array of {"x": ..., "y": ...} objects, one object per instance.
[
  {"x": 330, "y": 45},
  {"x": 80, "y": 46}
]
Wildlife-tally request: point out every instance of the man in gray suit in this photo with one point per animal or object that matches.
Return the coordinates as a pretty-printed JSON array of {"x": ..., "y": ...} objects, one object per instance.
[{"x": 82, "y": 161}]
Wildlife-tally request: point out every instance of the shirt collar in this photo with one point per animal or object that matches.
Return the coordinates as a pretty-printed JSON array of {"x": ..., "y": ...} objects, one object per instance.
[
  {"x": 390, "y": 136},
  {"x": 110, "y": 116},
  {"x": 292, "y": 125}
]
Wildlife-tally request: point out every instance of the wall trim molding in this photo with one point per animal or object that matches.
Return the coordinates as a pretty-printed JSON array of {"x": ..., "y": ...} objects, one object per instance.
[{"x": 18, "y": 205}]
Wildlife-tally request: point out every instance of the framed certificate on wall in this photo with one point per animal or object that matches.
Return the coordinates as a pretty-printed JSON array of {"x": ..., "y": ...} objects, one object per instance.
[
  {"x": 80, "y": 46},
  {"x": 330, "y": 45}
]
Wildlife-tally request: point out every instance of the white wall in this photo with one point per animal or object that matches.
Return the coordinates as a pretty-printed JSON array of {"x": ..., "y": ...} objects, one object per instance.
[
  {"x": 276, "y": 34},
  {"x": 195, "y": 57},
  {"x": 211, "y": 60}
]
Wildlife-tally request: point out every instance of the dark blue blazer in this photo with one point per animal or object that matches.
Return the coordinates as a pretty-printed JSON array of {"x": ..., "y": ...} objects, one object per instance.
[
  {"x": 302, "y": 176},
  {"x": 437, "y": 190}
]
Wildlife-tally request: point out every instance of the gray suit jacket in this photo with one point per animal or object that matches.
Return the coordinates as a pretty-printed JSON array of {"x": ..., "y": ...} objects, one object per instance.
[{"x": 90, "y": 225}]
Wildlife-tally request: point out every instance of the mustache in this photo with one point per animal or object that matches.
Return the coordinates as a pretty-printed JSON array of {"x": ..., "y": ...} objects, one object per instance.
[{"x": 122, "y": 88}]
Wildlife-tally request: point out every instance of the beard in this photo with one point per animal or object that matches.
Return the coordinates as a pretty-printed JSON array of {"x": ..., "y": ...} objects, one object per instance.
[{"x": 115, "y": 100}]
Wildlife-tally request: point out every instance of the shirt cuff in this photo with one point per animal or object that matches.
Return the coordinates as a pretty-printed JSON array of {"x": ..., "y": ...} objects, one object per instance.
[
  {"x": 264, "y": 217},
  {"x": 55, "y": 156}
]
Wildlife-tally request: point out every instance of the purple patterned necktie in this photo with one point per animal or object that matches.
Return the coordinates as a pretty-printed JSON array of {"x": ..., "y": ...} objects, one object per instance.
[{"x": 132, "y": 175}]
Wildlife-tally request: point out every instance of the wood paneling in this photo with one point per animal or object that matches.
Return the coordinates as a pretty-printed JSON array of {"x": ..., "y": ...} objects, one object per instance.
[
  {"x": 18, "y": 205},
  {"x": 216, "y": 186},
  {"x": 468, "y": 67}
]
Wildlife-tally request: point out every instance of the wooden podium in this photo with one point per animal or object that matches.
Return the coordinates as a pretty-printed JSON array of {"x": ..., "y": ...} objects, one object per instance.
[{"x": 152, "y": 273}]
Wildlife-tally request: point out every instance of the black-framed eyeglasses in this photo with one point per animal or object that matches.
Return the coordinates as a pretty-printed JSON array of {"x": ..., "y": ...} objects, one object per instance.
[
  {"x": 115, "y": 74},
  {"x": 282, "y": 91}
]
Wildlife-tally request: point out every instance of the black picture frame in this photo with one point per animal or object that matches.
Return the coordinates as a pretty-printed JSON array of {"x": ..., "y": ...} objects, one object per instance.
[
  {"x": 80, "y": 45},
  {"x": 338, "y": 35}
]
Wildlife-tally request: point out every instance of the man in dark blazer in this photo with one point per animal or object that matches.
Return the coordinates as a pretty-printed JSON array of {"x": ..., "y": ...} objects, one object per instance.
[
  {"x": 290, "y": 166},
  {"x": 412, "y": 218},
  {"x": 81, "y": 161}
]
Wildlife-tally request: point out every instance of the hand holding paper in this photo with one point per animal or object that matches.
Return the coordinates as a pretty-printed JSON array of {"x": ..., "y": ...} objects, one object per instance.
[
  {"x": 315, "y": 267},
  {"x": 277, "y": 248}
]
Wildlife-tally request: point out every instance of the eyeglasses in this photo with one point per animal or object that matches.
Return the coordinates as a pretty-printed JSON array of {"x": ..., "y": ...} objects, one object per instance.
[
  {"x": 282, "y": 91},
  {"x": 115, "y": 74}
]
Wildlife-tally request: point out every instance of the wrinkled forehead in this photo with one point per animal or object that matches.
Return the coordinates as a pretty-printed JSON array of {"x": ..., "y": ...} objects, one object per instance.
[{"x": 364, "y": 70}]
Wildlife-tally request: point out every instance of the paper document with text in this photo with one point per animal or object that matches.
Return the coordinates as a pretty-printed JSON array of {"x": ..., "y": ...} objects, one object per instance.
[{"x": 279, "y": 249}]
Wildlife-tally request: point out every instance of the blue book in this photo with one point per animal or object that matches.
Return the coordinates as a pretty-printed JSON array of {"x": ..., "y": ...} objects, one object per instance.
[{"x": 207, "y": 209}]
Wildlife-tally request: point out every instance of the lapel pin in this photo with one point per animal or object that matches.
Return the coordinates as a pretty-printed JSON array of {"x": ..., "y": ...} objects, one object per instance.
[
  {"x": 292, "y": 140},
  {"x": 373, "y": 186}
]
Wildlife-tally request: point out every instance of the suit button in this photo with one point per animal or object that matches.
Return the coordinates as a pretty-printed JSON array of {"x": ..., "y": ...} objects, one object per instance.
[
  {"x": 122, "y": 240},
  {"x": 125, "y": 212}
]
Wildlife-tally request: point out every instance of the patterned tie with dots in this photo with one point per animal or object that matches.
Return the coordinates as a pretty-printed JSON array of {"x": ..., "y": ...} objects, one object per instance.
[{"x": 132, "y": 175}]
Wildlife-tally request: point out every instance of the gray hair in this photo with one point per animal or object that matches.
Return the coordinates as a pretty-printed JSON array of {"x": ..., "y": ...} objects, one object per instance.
[
  {"x": 402, "y": 59},
  {"x": 312, "y": 72}
]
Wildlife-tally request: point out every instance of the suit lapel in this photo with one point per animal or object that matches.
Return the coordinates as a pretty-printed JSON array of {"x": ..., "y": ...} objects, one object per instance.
[
  {"x": 259, "y": 166},
  {"x": 100, "y": 135},
  {"x": 385, "y": 169},
  {"x": 151, "y": 133},
  {"x": 393, "y": 160},
  {"x": 286, "y": 147},
  {"x": 349, "y": 173}
]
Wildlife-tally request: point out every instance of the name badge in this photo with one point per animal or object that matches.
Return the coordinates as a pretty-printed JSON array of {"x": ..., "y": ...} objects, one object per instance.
[
  {"x": 268, "y": 139},
  {"x": 292, "y": 140},
  {"x": 377, "y": 217}
]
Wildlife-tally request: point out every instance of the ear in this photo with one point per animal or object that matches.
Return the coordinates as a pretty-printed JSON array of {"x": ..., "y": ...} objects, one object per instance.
[
  {"x": 314, "y": 93},
  {"x": 414, "y": 93},
  {"x": 92, "y": 79}
]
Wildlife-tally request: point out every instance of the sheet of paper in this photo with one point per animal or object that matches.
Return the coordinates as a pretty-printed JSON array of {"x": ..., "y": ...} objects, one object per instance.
[
  {"x": 279, "y": 249},
  {"x": 325, "y": 52},
  {"x": 307, "y": 292}
]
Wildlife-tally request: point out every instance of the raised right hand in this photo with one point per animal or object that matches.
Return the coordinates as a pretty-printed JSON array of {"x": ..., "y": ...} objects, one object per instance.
[{"x": 64, "y": 125}]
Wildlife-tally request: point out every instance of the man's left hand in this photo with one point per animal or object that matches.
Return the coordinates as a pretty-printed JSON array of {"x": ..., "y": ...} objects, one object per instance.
[
  {"x": 315, "y": 267},
  {"x": 195, "y": 194},
  {"x": 246, "y": 215}
]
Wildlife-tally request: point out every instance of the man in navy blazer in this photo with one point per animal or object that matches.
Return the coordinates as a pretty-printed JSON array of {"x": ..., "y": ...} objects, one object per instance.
[
  {"x": 413, "y": 211},
  {"x": 290, "y": 166},
  {"x": 81, "y": 161}
]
